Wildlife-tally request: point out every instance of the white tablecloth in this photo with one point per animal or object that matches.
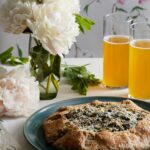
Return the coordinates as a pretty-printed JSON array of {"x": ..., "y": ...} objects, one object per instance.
[{"x": 15, "y": 125}]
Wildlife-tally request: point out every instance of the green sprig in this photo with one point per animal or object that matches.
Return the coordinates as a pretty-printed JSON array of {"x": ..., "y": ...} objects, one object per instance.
[
  {"x": 80, "y": 78},
  {"x": 8, "y": 58},
  {"x": 84, "y": 23}
]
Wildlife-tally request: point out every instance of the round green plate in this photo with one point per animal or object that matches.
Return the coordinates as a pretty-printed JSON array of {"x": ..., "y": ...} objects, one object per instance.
[{"x": 33, "y": 127}]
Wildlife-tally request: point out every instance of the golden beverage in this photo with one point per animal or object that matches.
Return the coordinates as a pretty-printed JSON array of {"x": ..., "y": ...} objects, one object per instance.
[
  {"x": 139, "y": 69},
  {"x": 116, "y": 60}
]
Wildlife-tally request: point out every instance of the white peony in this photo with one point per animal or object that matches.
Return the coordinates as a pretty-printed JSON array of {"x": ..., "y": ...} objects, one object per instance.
[
  {"x": 54, "y": 25},
  {"x": 14, "y": 15},
  {"x": 73, "y": 5},
  {"x": 19, "y": 93}
]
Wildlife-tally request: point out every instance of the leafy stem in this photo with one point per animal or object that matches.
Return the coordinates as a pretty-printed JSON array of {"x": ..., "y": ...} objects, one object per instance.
[
  {"x": 80, "y": 78},
  {"x": 84, "y": 23},
  {"x": 8, "y": 58},
  {"x": 30, "y": 42},
  {"x": 45, "y": 67},
  {"x": 42, "y": 86},
  {"x": 55, "y": 83},
  {"x": 48, "y": 83}
]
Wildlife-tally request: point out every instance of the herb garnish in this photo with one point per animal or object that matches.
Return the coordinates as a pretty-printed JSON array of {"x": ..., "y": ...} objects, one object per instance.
[
  {"x": 80, "y": 78},
  {"x": 8, "y": 58}
]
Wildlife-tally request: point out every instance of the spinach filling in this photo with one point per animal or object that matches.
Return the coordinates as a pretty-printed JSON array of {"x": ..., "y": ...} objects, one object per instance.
[{"x": 104, "y": 117}]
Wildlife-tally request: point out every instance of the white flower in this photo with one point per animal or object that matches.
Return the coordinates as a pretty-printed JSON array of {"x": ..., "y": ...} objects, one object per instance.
[
  {"x": 73, "y": 5},
  {"x": 52, "y": 23},
  {"x": 19, "y": 93},
  {"x": 55, "y": 26},
  {"x": 14, "y": 15}
]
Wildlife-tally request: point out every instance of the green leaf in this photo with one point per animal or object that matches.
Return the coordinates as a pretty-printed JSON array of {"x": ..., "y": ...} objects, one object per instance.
[
  {"x": 13, "y": 61},
  {"x": 137, "y": 8},
  {"x": 80, "y": 78},
  {"x": 84, "y": 23},
  {"x": 24, "y": 60},
  {"x": 20, "y": 53},
  {"x": 6, "y": 55},
  {"x": 55, "y": 82},
  {"x": 56, "y": 66},
  {"x": 121, "y": 10},
  {"x": 86, "y": 8},
  {"x": 89, "y": 21},
  {"x": 43, "y": 64},
  {"x": 40, "y": 68}
]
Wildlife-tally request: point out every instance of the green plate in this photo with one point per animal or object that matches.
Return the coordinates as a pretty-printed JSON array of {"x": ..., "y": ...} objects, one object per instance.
[{"x": 33, "y": 126}]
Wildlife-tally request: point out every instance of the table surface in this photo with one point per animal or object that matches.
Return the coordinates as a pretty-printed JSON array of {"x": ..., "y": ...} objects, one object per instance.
[{"x": 15, "y": 125}]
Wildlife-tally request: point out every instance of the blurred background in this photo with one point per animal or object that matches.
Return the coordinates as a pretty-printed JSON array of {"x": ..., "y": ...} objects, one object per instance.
[{"x": 90, "y": 43}]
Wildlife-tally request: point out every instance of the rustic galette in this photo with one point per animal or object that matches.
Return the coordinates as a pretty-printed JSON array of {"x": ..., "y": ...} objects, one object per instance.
[{"x": 99, "y": 126}]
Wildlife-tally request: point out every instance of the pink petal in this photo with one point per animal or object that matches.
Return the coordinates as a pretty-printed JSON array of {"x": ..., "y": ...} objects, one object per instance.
[
  {"x": 121, "y": 2},
  {"x": 142, "y": 1}
]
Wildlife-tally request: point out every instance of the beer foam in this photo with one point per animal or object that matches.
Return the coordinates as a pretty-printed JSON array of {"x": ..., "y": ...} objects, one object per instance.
[
  {"x": 116, "y": 37},
  {"x": 141, "y": 44}
]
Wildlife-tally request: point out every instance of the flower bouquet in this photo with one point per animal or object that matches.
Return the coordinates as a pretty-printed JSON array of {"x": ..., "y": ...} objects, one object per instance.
[{"x": 53, "y": 26}]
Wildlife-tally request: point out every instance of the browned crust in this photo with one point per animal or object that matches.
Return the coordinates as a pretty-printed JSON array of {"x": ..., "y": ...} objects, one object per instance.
[{"x": 72, "y": 138}]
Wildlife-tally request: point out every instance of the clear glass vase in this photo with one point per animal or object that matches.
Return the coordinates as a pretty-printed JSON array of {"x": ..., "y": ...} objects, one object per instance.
[{"x": 45, "y": 67}]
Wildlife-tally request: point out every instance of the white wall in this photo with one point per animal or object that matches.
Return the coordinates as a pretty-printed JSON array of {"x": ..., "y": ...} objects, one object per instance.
[
  {"x": 7, "y": 40},
  {"x": 90, "y": 43}
]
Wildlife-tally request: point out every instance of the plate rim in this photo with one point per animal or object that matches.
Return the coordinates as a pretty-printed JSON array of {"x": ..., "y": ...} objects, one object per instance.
[{"x": 65, "y": 100}]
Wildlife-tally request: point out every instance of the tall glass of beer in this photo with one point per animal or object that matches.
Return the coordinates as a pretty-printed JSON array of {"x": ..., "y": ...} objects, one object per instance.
[
  {"x": 116, "y": 29},
  {"x": 139, "y": 64}
]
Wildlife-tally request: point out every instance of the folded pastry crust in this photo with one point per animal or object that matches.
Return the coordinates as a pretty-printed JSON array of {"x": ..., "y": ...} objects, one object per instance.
[{"x": 99, "y": 126}]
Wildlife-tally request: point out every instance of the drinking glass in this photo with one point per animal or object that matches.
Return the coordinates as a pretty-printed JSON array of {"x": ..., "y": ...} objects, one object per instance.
[
  {"x": 116, "y": 29},
  {"x": 139, "y": 64}
]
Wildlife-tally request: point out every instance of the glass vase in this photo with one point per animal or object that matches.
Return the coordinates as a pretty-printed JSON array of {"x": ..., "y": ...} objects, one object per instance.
[{"x": 45, "y": 67}]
